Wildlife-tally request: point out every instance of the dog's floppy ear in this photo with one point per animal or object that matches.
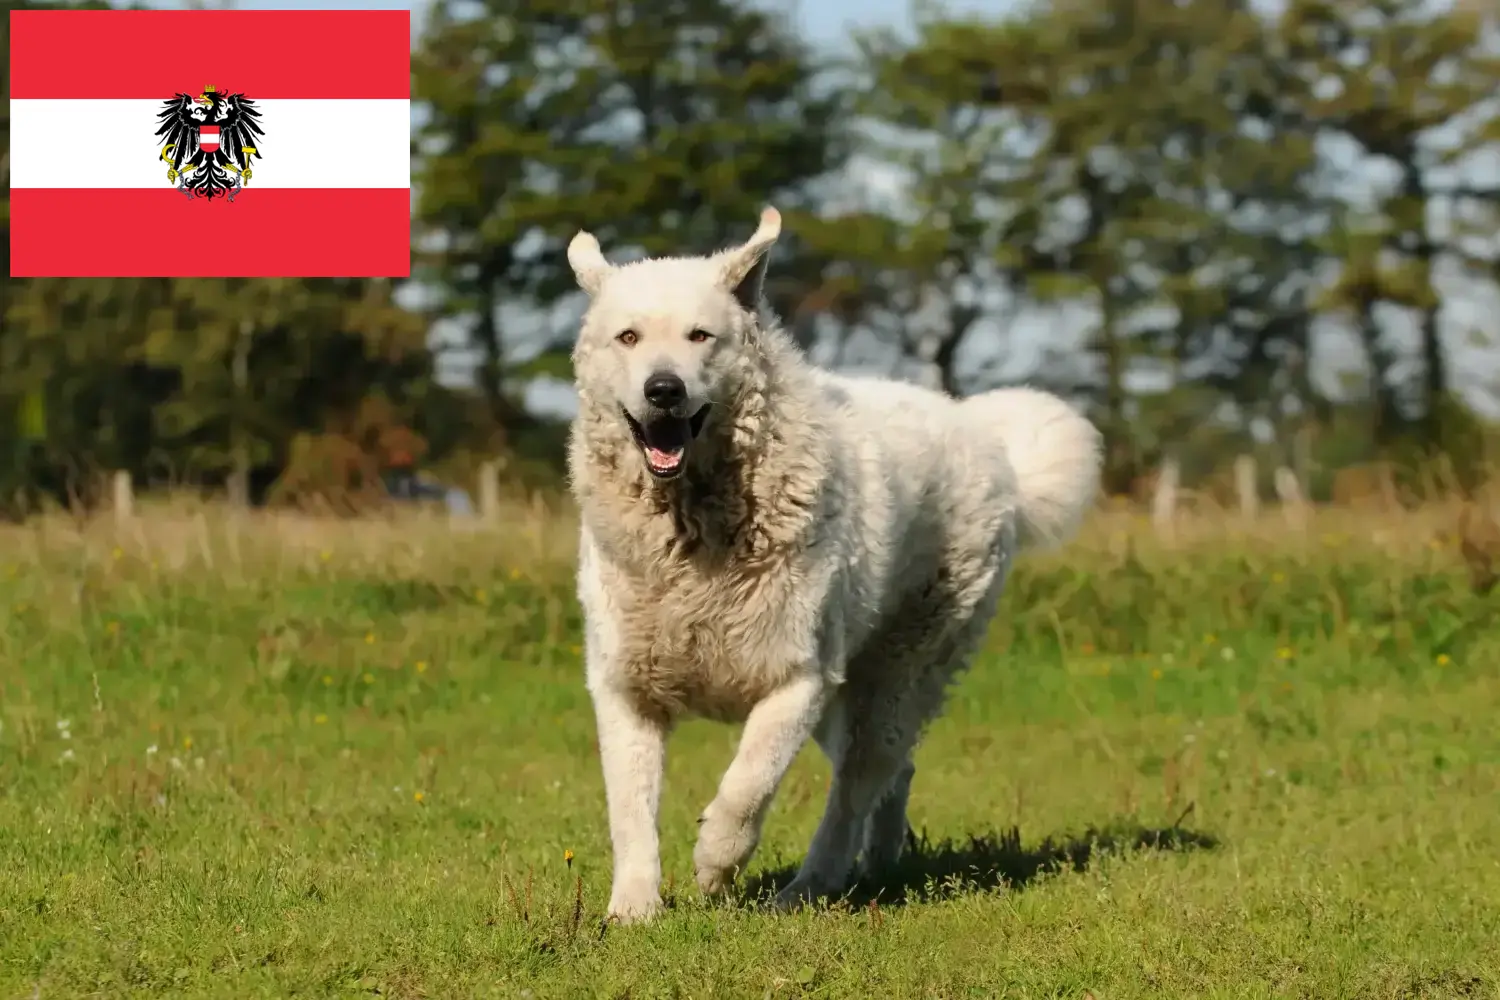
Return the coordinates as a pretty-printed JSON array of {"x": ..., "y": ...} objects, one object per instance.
[
  {"x": 587, "y": 260},
  {"x": 745, "y": 266}
]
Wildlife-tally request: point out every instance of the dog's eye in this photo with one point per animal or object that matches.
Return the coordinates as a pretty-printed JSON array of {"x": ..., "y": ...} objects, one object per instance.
[
  {"x": 700, "y": 336},
  {"x": 628, "y": 338}
]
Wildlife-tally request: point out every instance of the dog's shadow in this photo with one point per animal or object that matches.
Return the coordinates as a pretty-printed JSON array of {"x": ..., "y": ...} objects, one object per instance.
[{"x": 931, "y": 871}]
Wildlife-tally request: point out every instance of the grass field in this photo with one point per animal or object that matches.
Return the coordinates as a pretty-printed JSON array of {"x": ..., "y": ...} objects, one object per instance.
[{"x": 279, "y": 757}]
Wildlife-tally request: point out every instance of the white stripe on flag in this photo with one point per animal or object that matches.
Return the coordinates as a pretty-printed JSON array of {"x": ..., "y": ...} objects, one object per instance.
[{"x": 307, "y": 144}]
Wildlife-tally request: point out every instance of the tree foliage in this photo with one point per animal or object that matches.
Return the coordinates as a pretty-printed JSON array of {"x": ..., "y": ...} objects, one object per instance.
[
  {"x": 663, "y": 127},
  {"x": 1206, "y": 221}
]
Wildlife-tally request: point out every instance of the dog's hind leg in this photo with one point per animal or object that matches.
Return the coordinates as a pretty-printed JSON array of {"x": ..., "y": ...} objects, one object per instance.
[
  {"x": 886, "y": 829},
  {"x": 874, "y": 725},
  {"x": 867, "y": 763}
]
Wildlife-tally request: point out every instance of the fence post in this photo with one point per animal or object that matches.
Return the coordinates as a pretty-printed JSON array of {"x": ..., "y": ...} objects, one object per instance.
[
  {"x": 1164, "y": 499},
  {"x": 1246, "y": 486},
  {"x": 124, "y": 498},
  {"x": 239, "y": 476},
  {"x": 1388, "y": 492},
  {"x": 1293, "y": 504},
  {"x": 489, "y": 491}
]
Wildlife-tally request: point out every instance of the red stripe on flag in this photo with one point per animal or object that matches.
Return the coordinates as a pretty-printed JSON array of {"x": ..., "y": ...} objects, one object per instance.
[
  {"x": 263, "y": 54},
  {"x": 208, "y": 130},
  {"x": 270, "y": 233}
]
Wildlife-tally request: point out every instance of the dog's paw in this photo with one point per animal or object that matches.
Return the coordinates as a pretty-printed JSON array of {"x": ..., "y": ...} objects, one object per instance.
[
  {"x": 636, "y": 902},
  {"x": 724, "y": 845},
  {"x": 714, "y": 881}
]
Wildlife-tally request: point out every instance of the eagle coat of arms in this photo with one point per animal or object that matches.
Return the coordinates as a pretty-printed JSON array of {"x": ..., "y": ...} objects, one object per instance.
[{"x": 207, "y": 139}]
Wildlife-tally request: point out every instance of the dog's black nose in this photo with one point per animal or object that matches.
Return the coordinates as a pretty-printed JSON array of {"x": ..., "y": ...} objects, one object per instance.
[{"x": 665, "y": 391}]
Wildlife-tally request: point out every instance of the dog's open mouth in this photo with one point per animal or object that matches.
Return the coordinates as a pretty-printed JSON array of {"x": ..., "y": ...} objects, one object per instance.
[{"x": 664, "y": 440}]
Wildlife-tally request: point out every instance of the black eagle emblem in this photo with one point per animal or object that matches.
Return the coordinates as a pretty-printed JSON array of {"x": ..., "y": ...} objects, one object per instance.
[{"x": 208, "y": 142}]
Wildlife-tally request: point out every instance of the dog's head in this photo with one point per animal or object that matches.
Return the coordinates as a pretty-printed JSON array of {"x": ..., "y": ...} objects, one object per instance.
[{"x": 664, "y": 339}]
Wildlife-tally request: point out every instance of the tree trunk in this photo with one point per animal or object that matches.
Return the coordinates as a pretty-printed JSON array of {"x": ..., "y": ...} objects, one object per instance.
[
  {"x": 959, "y": 319},
  {"x": 1435, "y": 374},
  {"x": 239, "y": 476},
  {"x": 505, "y": 415},
  {"x": 1434, "y": 377},
  {"x": 1119, "y": 450},
  {"x": 1386, "y": 420}
]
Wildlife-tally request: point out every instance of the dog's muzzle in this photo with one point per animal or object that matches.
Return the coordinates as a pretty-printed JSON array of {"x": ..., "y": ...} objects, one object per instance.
[{"x": 664, "y": 439}]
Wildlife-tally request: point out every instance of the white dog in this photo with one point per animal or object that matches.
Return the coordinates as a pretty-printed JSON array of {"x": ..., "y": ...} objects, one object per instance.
[{"x": 764, "y": 541}]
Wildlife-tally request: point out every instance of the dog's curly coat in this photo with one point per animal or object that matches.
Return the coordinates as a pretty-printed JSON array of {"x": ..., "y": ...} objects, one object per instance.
[{"x": 813, "y": 554}]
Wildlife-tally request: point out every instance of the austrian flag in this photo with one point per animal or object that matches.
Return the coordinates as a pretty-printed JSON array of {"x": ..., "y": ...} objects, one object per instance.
[{"x": 210, "y": 143}]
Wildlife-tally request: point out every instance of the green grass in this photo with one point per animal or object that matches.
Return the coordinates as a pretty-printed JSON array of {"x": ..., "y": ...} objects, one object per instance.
[{"x": 350, "y": 760}]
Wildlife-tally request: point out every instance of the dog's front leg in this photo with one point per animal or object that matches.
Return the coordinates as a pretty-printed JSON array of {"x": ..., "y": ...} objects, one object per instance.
[
  {"x": 775, "y": 730},
  {"x": 633, "y": 750}
]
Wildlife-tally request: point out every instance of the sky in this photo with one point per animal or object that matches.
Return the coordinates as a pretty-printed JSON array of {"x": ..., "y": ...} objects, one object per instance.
[
  {"x": 825, "y": 21},
  {"x": 1470, "y": 310}
]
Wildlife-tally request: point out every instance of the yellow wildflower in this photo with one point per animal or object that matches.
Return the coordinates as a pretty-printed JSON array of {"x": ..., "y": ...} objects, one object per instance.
[
  {"x": 421, "y": 666},
  {"x": 1443, "y": 660}
]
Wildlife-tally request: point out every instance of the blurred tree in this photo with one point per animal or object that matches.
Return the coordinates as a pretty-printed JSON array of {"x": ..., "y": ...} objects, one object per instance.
[
  {"x": 1235, "y": 182},
  {"x": 271, "y": 359},
  {"x": 1410, "y": 85},
  {"x": 1100, "y": 154},
  {"x": 140, "y": 375},
  {"x": 919, "y": 264},
  {"x": 23, "y": 411},
  {"x": 195, "y": 380},
  {"x": 661, "y": 125},
  {"x": 1160, "y": 166},
  {"x": 69, "y": 351}
]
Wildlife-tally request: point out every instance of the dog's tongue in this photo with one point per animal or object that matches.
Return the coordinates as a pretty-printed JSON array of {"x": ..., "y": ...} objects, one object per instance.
[
  {"x": 666, "y": 441},
  {"x": 663, "y": 461}
]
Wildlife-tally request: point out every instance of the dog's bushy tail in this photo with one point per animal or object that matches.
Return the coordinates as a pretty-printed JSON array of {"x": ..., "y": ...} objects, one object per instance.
[{"x": 1056, "y": 454}]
